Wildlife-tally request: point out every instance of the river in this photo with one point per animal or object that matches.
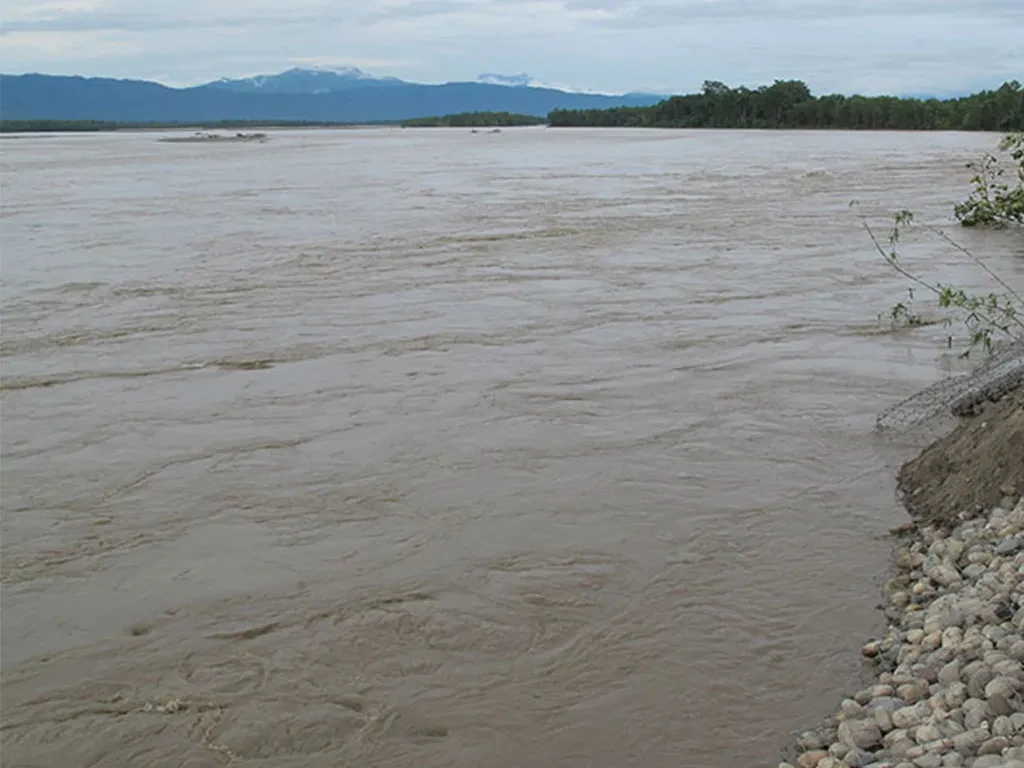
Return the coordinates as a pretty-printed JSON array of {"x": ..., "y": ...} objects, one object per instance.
[{"x": 428, "y": 448}]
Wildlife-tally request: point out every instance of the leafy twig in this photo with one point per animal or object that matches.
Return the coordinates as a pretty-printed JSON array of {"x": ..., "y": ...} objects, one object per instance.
[{"x": 984, "y": 314}]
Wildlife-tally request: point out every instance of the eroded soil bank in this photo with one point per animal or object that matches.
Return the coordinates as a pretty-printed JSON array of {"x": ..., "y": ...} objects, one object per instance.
[{"x": 972, "y": 468}]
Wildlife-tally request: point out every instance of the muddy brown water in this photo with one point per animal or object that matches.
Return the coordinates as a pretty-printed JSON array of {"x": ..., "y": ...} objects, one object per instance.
[{"x": 424, "y": 448}]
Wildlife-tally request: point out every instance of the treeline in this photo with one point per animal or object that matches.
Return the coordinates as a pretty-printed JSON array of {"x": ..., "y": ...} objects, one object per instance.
[
  {"x": 790, "y": 104},
  {"x": 474, "y": 120},
  {"x": 69, "y": 126},
  {"x": 55, "y": 126}
]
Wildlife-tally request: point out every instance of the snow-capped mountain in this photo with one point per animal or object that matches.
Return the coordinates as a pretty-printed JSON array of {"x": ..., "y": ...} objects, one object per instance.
[
  {"x": 319, "y": 80},
  {"x": 306, "y": 81},
  {"x": 523, "y": 80},
  {"x": 492, "y": 78}
]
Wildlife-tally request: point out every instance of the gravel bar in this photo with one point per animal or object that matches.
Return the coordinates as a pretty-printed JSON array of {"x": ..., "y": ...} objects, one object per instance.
[{"x": 950, "y": 667}]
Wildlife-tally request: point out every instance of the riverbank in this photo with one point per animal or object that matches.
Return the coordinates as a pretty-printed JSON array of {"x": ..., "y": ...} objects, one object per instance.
[
  {"x": 17, "y": 128},
  {"x": 203, "y": 137},
  {"x": 949, "y": 670}
]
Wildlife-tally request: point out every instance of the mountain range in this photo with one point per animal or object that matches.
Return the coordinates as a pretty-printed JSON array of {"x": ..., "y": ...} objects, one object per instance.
[
  {"x": 307, "y": 81},
  {"x": 308, "y": 95}
]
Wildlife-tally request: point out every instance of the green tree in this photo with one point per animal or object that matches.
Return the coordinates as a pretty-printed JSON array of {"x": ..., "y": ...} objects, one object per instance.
[
  {"x": 995, "y": 202},
  {"x": 473, "y": 119},
  {"x": 987, "y": 317},
  {"x": 790, "y": 104}
]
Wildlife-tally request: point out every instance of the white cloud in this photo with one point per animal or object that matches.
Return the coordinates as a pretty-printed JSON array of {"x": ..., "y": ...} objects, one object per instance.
[
  {"x": 13, "y": 10},
  {"x": 606, "y": 45},
  {"x": 63, "y": 47},
  {"x": 342, "y": 62}
]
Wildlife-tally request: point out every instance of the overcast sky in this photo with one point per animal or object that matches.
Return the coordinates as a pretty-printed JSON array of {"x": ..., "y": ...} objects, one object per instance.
[{"x": 869, "y": 46}]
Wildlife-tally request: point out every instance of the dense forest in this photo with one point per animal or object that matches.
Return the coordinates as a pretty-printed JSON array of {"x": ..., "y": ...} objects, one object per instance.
[
  {"x": 790, "y": 104},
  {"x": 473, "y": 119}
]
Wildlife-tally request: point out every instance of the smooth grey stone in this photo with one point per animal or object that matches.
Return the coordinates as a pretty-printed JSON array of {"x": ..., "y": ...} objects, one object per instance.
[
  {"x": 994, "y": 746},
  {"x": 860, "y": 734}
]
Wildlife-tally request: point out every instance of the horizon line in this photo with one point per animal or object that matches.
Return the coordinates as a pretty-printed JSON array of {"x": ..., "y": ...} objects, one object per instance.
[{"x": 938, "y": 94}]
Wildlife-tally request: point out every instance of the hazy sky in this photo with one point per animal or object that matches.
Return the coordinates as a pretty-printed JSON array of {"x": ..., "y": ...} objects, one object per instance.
[{"x": 871, "y": 46}]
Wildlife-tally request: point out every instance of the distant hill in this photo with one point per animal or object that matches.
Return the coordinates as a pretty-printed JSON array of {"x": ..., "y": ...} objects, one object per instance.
[
  {"x": 309, "y": 81},
  {"x": 52, "y": 97}
]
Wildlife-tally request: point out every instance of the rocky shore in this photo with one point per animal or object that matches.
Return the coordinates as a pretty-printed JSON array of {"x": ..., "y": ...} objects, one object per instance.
[{"x": 949, "y": 669}]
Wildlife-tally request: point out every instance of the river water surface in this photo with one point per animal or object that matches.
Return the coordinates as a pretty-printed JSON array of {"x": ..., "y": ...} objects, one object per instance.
[{"x": 426, "y": 448}]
